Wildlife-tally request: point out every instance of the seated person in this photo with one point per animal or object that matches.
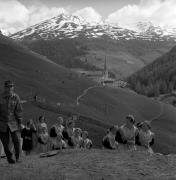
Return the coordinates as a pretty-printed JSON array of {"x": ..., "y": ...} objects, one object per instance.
[
  {"x": 43, "y": 136},
  {"x": 59, "y": 125},
  {"x": 58, "y": 143},
  {"x": 42, "y": 131},
  {"x": 76, "y": 138},
  {"x": 86, "y": 142},
  {"x": 68, "y": 133},
  {"x": 56, "y": 130},
  {"x": 127, "y": 132},
  {"x": 26, "y": 135},
  {"x": 109, "y": 141},
  {"x": 145, "y": 136}
]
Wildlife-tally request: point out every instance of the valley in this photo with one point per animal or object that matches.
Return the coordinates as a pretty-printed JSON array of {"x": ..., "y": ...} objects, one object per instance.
[
  {"x": 34, "y": 74},
  {"x": 74, "y": 43}
]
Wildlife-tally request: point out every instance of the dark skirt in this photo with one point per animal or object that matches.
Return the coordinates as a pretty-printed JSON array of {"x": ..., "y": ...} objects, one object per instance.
[
  {"x": 106, "y": 143},
  {"x": 27, "y": 145}
]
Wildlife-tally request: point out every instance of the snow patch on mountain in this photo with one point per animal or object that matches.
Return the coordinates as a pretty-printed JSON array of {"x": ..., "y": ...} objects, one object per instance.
[
  {"x": 4, "y": 32},
  {"x": 72, "y": 26}
]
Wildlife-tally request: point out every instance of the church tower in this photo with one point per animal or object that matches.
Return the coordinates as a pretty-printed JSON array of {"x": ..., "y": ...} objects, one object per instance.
[{"x": 105, "y": 71}]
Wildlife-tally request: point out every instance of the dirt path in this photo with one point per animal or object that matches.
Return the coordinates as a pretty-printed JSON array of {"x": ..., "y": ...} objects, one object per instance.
[{"x": 85, "y": 93}]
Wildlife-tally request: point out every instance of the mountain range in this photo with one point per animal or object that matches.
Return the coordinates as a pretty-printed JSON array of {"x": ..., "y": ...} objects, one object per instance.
[
  {"x": 71, "y": 26},
  {"x": 126, "y": 50}
]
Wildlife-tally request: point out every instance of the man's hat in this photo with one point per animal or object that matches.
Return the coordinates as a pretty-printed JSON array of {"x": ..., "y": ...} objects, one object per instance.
[{"x": 8, "y": 83}]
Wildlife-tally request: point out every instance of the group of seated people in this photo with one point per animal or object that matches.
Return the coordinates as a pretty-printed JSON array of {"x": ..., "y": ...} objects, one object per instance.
[
  {"x": 58, "y": 137},
  {"x": 64, "y": 135},
  {"x": 130, "y": 136}
]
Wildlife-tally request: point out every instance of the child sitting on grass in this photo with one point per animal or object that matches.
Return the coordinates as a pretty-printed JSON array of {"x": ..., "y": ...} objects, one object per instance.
[
  {"x": 86, "y": 142},
  {"x": 56, "y": 130},
  {"x": 59, "y": 143},
  {"x": 59, "y": 125},
  {"x": 76, "y": 138},
  {"x": 109, "y": 141},
  {"x": 26, "y": 135}
]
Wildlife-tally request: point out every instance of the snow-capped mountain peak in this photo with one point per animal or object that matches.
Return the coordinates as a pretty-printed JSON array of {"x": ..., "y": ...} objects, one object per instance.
[
  {"x": 4, "y": 32},
  {"x": 73, "y": 26}
]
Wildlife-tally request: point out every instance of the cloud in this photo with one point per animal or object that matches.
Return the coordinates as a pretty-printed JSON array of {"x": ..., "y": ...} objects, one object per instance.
[
  {"x": 38, "y": 14},
  {"x": 14, "y": 16},
  {"x": 159, "y": 12},
  {"x": 89, "y": 15}
]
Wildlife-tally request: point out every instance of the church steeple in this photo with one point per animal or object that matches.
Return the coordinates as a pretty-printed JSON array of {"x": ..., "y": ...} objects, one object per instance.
[
  {"x": 105, "y": 71},
  {"x": 105, "y": 65}
]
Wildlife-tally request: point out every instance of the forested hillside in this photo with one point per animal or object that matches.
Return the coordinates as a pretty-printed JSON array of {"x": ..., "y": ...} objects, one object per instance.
[{"x": 158, "y": 77}]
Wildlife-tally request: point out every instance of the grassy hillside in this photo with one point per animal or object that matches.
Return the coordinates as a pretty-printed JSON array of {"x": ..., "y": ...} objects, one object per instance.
[
  {"x": 64, "y": 52},
  {"x": 123, "y": 57},
  {"x": 157, "y": 78},
  {"x": 93, "y": 164},
  {"x": 34, "y": 74}
]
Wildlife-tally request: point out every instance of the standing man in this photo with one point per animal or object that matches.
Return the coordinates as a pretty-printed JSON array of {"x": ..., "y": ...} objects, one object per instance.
[{"x": 10, "y": 120}]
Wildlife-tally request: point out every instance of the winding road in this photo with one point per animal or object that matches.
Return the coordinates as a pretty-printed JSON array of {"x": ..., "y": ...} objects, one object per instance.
[{"x": 85, "y": 93}]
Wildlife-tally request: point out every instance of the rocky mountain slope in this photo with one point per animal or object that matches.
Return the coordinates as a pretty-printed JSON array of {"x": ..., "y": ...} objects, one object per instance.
[
  {"x": 93, "y": 164},
  {"x": 70, "y": 26}
]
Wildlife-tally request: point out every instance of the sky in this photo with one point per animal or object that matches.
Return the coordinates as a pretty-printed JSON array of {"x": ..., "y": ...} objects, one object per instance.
[{"x": 16, "y": 15}]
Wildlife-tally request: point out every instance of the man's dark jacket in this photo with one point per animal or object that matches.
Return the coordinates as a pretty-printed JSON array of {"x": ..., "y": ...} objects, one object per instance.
[{"x": 10, "y": 112}]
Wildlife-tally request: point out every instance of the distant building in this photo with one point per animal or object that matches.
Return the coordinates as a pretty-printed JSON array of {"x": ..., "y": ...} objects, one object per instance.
[
  {"x": 121, "y": 83},
  {"x": 105, "y": 79}
]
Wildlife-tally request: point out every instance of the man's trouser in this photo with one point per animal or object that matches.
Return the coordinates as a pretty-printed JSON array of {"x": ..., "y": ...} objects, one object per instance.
[{"x": 5, "y": 138}]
